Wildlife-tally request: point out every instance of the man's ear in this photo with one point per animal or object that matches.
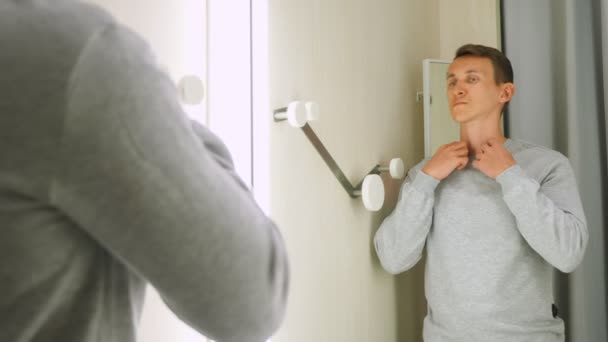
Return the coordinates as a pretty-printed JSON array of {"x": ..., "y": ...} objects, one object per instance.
[{"x": 508, "y": 90}]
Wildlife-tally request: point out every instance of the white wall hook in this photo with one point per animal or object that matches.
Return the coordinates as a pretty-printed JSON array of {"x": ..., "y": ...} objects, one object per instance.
[
  {"x": 312, "y": 111},
  {"x": 294, "y": 113},
  {"x": 395, "y": 168},
  {"x": 372, "y": 192},
  {"x": 191, "y": 90},
  {"x": 371, "y": 188}
]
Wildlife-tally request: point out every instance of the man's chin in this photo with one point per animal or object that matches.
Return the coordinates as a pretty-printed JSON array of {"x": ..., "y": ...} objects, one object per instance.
[{"x": 460, "y": 117}]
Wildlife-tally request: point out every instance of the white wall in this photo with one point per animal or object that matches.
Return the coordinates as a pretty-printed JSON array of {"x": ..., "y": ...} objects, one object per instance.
[{"x": 361, "y": 61}]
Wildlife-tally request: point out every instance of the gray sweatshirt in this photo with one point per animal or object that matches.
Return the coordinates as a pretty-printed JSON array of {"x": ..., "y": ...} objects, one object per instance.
[
  {"x": 491, "y": 245},
  {"x": 106, "y": 185}
]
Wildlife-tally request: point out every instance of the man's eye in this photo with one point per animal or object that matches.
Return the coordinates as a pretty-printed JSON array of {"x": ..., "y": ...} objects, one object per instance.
[{"x": 472, "y": 79}]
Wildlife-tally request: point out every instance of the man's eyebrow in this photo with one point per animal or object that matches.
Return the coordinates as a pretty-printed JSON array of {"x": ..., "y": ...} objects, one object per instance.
[{"x": 470, "y": 71}]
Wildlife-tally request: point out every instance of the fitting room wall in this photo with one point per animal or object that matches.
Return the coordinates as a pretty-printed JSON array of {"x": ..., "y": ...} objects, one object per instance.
[{"x": 361, "y": 61}]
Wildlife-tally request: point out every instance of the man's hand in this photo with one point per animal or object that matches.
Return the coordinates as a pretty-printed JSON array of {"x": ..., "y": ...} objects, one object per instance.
[
  {"x": 447, "y": 159},
  {"x": 493, "y": 159}
]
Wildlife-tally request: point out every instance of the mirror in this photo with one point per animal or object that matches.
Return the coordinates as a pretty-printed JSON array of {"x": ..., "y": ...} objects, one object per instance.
[{"x": 439, "y": 128}]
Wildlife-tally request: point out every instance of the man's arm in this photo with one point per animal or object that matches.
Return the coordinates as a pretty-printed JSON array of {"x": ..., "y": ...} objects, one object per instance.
[
  {"x": 217, "y": 149},
  {"x": 133, "y": 174},
  {"x": 549, "y": 215},
  {"x": 401, "y": 237}
]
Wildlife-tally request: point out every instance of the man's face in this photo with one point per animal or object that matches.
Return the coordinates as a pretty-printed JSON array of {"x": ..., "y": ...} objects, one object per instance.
[{"x": 472, "y": 91}]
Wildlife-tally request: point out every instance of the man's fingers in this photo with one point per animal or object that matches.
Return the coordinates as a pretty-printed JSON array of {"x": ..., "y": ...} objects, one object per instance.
[
  {"x": 463, "y": 162},
  {"x": 459, "y": 147},
  {"x": 455, "y": 143},
  {"x": 493, "y": 141},
  {"x": 459, "y": 154},
  {"x": 485, "y": 148},
  {"x": 452, "y": 144}
]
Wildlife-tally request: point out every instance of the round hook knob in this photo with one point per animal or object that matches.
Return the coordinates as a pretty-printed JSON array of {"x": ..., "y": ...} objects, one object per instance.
[
  {"x": 191, "y": 90},
  {"x": 372, "y": 192},
  {"x": 395, "y": 168},
  {"x": 296, "y": 114},
  {"x": 312, "y": 111}
]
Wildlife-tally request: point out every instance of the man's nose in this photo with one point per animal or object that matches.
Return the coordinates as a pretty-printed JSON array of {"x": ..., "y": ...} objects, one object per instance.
[
  {"x": 455, "y": 90},
  {"x": 458, "y": 89}
]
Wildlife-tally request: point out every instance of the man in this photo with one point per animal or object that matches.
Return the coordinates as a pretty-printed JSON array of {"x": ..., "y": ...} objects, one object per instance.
[
  {"x": 496, "y": 215},
  {"x": 105, "y": 185}
]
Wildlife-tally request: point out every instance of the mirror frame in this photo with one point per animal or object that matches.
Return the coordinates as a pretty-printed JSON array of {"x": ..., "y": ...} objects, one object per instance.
[{"x": 426, "y": 91}]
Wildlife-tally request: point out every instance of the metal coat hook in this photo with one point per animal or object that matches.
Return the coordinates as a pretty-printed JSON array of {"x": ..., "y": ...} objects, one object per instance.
[{"x": 371, "y": 188}]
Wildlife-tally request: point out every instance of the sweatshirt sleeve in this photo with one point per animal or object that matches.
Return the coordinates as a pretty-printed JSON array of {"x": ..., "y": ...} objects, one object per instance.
[
  {"x": 217, "y": 150},
  {"x": 401, "y": 237},
  {"x": 549, "y": 215},
  {"x": 134, "y": 175}
]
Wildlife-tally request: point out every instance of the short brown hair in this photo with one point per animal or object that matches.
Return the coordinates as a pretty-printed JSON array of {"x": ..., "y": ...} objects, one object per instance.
[{"x": 503, "y": 72}]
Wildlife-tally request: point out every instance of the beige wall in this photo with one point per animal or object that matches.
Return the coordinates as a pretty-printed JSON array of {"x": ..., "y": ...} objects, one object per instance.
[
  {"x": 467, "y": 21},
  {"x": 361, "y": 61}
]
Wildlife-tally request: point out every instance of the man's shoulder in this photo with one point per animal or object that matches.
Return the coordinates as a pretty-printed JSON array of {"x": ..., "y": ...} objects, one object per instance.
[
  {"x": 539, "y": 161},
  {"x": 531, "y": 151},
  {"x": 52, "y": 26}
]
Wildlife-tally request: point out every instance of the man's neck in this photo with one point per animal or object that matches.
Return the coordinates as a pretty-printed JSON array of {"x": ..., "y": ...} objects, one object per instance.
[{"x": 477, "y": 133}]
